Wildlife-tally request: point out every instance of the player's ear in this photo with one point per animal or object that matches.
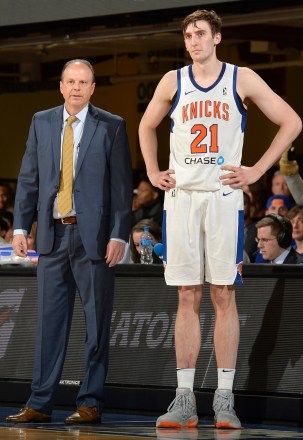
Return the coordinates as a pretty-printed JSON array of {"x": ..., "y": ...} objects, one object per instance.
[{"x": 217, "y": 38}]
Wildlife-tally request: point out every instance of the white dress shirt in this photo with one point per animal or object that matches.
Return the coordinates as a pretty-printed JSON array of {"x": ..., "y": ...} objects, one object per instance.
[{"x": 280, "y": 259}]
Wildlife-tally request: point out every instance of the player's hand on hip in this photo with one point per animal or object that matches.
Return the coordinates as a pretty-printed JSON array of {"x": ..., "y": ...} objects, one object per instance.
[
  {"x": 239, "y": 176},
  {"x": 163, "y": 179},
  {"x": 19, "y": 244}
]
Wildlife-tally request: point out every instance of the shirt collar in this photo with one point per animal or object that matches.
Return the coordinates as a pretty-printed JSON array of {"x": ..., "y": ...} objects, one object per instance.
[
  {"x": 280, "y": 259},
  {"x": 81, "y": 115}
]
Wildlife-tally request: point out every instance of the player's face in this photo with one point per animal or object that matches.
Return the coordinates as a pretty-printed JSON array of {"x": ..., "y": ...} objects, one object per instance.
[
  {"x": 268, "y": 243},
  {"x": 297, "y": 227},
  {"x": 199, "y": 40},
  {"x": 77, "y": 87}
]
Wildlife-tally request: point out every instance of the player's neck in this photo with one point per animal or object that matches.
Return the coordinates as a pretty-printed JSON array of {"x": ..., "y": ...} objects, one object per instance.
[{"x": 206, "y": 74}]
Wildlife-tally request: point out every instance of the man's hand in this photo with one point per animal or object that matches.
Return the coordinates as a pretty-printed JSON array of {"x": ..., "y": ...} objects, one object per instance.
[
  {"x": 239, "y": 176},
  {"x": 162, "y": 179},
  {"x": 114, "y": 252},
  {"x": 20, "y": 245},
  {"x": 288, "y": 167}
]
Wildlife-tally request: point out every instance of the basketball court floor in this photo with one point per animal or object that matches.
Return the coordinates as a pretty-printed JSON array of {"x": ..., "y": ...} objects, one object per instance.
[{"x": 123, "y": 426}]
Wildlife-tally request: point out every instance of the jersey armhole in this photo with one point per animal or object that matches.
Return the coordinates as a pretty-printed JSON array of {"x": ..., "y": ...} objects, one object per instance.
[
  {"x": 176, "y": 96},
  {"x": 238, "y": 100}
]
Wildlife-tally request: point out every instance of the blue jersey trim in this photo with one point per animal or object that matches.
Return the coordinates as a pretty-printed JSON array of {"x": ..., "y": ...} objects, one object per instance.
[
  {"x": 178, "y": 93},
  {"x": 176, "y": 100},
  {"x": 164, "y": 237},
  {"x": 238, "y": 102},
  {"x": 240, "y": 247},
  {"x": 191, "y": 76}
]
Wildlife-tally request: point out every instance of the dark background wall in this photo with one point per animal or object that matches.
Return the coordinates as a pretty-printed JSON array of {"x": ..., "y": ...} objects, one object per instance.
[{"x": 131, "y": 45}]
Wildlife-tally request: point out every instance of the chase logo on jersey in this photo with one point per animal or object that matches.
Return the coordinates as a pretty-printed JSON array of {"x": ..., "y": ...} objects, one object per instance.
[{"x": 220, "y": 160}]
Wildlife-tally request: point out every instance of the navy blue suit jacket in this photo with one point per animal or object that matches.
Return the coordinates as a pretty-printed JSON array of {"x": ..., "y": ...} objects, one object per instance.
[{"x": 102, "y": 185}]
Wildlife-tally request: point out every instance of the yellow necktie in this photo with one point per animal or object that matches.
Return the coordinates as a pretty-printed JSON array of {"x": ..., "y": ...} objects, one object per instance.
[{"x": 66, "y": 179}]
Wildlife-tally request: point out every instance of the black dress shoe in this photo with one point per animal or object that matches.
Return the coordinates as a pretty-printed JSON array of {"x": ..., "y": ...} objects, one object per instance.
[
  {"x": 84, "y": 414},
  {"x": 28, "y": 415}
]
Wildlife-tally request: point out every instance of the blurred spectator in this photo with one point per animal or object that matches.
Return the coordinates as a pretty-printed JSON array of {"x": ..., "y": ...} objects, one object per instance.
[
  {"x": 3, "y": 231},
  {"x": 149, "y": 199},
  {"x": 8, "y": 217},
  {"x": 135, "y": 237},
  {"x": 274, "y": 238},
  {"x": 295, "y": 215},
  {"x": 289, "y": 167},
  {"x": 6, "y": 197},
  {"x": 250, "y": 231},
  {"x": 136, "y": 204},
  {"x": 278, "y": 204},
  {"x": 279, "y": 184},
  {"x": 258, "y": 194},
  {"x": 31, "y": 238}
]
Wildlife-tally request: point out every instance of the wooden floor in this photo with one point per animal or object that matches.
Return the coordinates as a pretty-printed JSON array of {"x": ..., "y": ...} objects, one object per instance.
[{"x": 135, "y": 427}]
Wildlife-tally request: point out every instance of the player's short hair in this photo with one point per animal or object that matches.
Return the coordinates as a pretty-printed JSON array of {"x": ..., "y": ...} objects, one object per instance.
[
  {"x": 211, "y": 17},
  {"x": 79, "y": 60}
]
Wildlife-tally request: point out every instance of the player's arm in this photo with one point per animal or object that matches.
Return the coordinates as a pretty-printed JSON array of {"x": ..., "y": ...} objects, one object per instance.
[
  {"x": 156, "y": 110},
  {"x": 251, "y": 87}
]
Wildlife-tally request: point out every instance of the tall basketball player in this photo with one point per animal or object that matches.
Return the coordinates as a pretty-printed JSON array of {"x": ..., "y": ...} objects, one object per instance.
[{"x": 203, "y": 224}]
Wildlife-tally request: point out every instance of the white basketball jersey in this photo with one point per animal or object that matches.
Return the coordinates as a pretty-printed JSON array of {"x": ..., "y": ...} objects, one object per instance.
[{"x": 207, "y": 129}]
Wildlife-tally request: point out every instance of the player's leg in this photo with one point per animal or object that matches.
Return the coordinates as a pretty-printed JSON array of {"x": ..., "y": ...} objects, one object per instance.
[
  {"x": 183, "y": 269},
  {"x": 183, "y": 412},
  {"x": 226, "y": 341},
  {"x": 227, "y": 330},
  {"x": 224, "y": 249},
  {"x": 187, "y": 327}
]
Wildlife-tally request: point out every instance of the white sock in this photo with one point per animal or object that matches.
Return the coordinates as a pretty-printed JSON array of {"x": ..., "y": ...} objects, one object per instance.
[
  {"x": 226, "y": 378},
  {"x": 186, "y": 377}
]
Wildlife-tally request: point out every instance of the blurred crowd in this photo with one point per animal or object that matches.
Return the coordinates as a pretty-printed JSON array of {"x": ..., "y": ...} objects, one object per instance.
[{"x": 278, "y": 194}]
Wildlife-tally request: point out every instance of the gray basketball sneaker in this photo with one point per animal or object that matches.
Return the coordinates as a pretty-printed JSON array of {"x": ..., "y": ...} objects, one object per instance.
[
  {"x": 182, "y": 412},
  {"x": 225, "y": 415}
]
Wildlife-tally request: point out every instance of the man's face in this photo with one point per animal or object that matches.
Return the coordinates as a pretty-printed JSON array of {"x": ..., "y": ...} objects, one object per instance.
[
  {"x": 268, "y": 243},
  {"x": 277, "y": 207},
  {"x": 77, "y": 87},
  {"x": 297, "y": 227},
  {"x": 279, "y": 185}
]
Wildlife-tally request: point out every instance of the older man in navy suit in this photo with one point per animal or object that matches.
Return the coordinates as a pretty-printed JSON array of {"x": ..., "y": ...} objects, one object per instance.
[{"x": 78, "y": 248}]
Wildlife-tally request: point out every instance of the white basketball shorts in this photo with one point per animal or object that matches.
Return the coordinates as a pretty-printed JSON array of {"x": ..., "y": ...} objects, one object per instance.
[{"x": 203, "y": 237}]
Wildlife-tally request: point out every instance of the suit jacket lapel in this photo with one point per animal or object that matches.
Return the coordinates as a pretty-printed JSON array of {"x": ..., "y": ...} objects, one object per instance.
[
  {"x": 90, "y": 126},
  {"x": 56, "y": 129}
]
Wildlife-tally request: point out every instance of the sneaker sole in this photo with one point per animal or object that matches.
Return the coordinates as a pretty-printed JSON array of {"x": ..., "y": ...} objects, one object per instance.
[
  {"x": 226, "y": 425},
  {"x": 190, "y": 424}
]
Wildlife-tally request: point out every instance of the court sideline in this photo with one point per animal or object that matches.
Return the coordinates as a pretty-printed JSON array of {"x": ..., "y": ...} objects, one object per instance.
[{"x": 123, "y": 426}]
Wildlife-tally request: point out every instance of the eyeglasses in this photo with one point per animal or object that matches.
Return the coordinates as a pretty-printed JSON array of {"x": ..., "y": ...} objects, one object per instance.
[{"x": 264, "y": 240}]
